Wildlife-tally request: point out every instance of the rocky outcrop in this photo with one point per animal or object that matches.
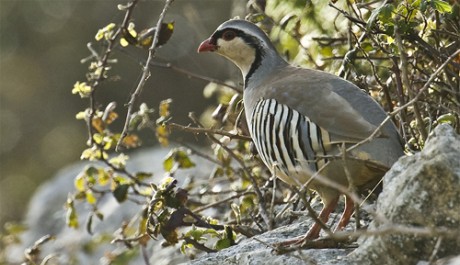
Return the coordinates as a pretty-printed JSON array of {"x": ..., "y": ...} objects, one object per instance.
[{"x": 421, "y": 192}]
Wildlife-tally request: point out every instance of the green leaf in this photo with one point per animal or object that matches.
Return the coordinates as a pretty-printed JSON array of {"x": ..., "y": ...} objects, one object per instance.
[
  {"x": 223, "y": 243},
  {"x": 89, "y": 224},
  {"x": 441, "y": 6},
  {"x": 446, "y": 118},
  {"x": 382, "y": 13},
  {"x": 13, "y": 228},
  {"x": 99, "y": 215},
  {"x": 121, "y": 192},
  {"x": 91, "y": 175},
  {"x": 286, "y": 19},
  {"x": 177, "y": 158},
  {"x": 143, "y": 175},
  {"x": 168, "y": 163}
]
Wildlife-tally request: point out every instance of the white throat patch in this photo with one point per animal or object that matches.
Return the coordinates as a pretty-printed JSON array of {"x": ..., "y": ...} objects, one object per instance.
[{"x": 237, "y": 51}]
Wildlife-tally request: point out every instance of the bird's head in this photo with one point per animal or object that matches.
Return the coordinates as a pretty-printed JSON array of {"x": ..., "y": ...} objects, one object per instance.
[{"x": 243, "y": 43}]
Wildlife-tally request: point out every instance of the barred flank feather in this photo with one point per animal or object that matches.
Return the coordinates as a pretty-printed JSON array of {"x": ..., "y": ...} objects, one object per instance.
[{"x": 285, "y": 138}]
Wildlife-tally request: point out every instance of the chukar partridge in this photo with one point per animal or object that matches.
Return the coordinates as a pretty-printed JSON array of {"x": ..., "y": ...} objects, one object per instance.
[{"x": 299, "y": 119}]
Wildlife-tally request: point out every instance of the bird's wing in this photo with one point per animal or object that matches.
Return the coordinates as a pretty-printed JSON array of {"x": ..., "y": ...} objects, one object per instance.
[{"x": 324, "y": 99}]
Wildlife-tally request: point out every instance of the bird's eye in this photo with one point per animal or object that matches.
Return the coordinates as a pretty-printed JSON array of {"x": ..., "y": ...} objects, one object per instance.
[{"x": 229, "y": 35}]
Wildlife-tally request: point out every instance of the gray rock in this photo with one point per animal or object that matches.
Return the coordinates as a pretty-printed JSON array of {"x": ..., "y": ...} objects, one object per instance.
[
  {"x": 421, "y": 191},
  {"x": 253, "y": 251}
]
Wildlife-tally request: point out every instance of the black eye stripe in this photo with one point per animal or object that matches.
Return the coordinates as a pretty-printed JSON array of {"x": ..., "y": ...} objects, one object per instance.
[
  {"x": 220, "y": 34},
  {"x": 251, "y": 40},
  {"x": 229, "y": 35}
]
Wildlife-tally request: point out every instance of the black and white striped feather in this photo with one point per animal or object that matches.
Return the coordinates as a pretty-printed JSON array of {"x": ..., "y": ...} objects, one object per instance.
[{"x": 287, "y": 140}]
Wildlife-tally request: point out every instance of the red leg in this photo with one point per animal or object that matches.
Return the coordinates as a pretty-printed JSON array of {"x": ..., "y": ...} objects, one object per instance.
[
  {"x": 347, "y": 212},
  {"x": 313, "y": 232},
  {"x": 323, "y": 216}
]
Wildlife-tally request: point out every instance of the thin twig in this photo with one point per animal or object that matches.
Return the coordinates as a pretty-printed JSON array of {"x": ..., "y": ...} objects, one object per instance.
[
  {"x": 261, "y": 200},
  {"x": 345, "y": 14},
  {"x": 200, "y": 209},
  {"x": 208, "y": 131},
  {"x": 435, "y": 250},
  {"x": 198, "y": 245},
  {"x": 409, "y": 103},
  {"x": 406, "y": 84},
  {"x": 102, "y": 63},
  {"x": 195, "y": 151},
  {"x": 195, "y": 75},
  {"x": 145, "y": 74}
]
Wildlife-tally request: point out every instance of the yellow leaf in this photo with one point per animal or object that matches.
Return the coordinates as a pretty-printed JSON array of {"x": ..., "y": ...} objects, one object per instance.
[
  {"x": 80, "y": 182},
  {"x": 132, "y": 30},
  {"x": 98, "y": 138},
  {"x": 390, "y": 40},
  {"x": 147, "y": 191},
  {"x": 105, "y": 32},
  {"x": 71, "y": 215},
  {"x": 92, "y": 154},
  {"x": 119, "y": 161},
  {"x": 162, "y": 135},
  {"x": 90, "y": 197},
  {"x": 124, "y": 42},
  {"x": 103, "y": 177},
  {"x": 81, "y": 115},
  {"x": 166, "y": 181},
  {"x": 110, "y": 117},
  {"x": 98, "y": 124},
  {"x": 81, "y": 88},
  {"x": 131, "y": 141},
  {"x": 164, "y": 107}
]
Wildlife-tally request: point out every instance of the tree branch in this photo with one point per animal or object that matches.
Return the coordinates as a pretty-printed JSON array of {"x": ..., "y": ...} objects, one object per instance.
[{"x": 145, "y": 74}]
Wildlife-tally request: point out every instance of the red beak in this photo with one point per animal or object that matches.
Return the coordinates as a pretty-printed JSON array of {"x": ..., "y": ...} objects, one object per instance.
[{"x": 207, "y": 46}]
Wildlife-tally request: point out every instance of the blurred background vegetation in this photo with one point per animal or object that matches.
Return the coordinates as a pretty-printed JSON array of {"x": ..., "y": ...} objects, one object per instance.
[{"x": 41, "y": 45}]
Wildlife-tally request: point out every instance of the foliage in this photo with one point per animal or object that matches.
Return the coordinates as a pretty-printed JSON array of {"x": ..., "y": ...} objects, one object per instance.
[
  {"x": 390, "y": 49},
  {"x": 404, "y": 53}
]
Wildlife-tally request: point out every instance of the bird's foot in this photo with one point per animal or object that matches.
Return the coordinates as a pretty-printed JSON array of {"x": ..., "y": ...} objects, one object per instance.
[
  {"x": 296, "y": 242},
  {"x": 292, "y": 242},
  {"x": 304, "y": 242}
]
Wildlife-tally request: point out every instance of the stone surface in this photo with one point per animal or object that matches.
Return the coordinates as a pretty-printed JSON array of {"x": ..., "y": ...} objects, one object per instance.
[
  {"x": 253, "y": 251},
  {"x": 421, "y": 191}
]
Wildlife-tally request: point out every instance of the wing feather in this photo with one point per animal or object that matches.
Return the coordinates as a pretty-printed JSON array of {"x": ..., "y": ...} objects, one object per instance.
[{"x": 325, "y": 99}]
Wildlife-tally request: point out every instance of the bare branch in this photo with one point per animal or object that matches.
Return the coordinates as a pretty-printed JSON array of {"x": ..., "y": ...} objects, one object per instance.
[
  {"x": 145, "y": 73},
  {"x": 208, "y": 131}
]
